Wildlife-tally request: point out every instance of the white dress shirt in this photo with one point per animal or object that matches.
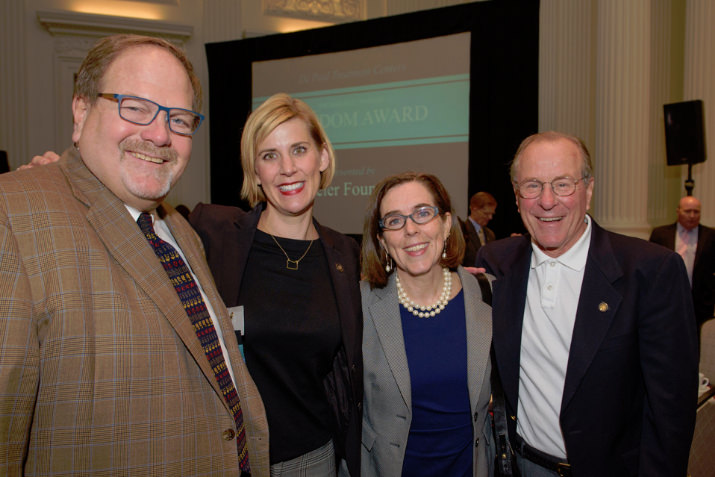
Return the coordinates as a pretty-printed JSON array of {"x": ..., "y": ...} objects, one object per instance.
[
  {"x": 686, "y": 243},
  {"x": 549, "y": 315}
]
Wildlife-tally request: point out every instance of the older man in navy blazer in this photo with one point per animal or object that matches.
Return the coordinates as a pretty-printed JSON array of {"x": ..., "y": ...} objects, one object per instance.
[{"x": 594, "y": 332}]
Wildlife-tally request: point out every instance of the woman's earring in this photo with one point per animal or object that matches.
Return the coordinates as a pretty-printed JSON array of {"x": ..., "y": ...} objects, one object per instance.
[
  {"x": 388, "y": 261},
  {"x": 444, "y": 250}
]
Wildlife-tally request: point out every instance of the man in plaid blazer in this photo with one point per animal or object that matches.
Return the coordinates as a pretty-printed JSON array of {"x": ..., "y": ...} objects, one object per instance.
[{"x": 101, "y": 371}]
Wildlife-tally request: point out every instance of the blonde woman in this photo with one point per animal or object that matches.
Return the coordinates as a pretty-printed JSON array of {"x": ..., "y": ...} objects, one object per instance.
[{"x": 296, "y": 284}]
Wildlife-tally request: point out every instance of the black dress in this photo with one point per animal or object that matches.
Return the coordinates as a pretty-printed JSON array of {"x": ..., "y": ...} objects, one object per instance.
[{"x": 292, "y": 333}]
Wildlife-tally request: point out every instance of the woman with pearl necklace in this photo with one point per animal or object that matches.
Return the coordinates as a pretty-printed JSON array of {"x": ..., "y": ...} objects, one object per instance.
[{"x": 426, "y": 338}]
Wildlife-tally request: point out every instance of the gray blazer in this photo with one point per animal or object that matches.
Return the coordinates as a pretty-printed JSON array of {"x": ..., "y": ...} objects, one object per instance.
[{"x": 387, "y": 405}]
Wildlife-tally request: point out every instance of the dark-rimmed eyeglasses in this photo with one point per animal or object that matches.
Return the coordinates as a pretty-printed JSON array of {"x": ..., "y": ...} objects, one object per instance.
[
  {"x": 561, "y": 186},
  {"x": 421, "y": 215},
  {"x": 143, "y": 111}
]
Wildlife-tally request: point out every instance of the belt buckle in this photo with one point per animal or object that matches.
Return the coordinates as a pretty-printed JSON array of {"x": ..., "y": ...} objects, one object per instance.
[{"x": 564, "y": 470}]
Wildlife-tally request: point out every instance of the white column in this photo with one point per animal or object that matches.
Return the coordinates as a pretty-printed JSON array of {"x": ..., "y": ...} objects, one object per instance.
[
  {"x": 664, "y": 183},
  {"x": 566, "y": 68},
  {"x": 13, "y": 100},
  {"x": 699, "y": 83},
  {"x": 222, "y": 21},
  {"x": 623, "y": 87}
]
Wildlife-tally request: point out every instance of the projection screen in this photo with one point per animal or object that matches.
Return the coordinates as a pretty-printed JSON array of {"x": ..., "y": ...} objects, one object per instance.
[
  {"x": 450, "y": 91},
  {"x": 386, "y": 109}
]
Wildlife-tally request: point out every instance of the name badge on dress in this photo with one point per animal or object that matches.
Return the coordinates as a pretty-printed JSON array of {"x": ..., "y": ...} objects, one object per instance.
[{"x": 236, "y": 315}]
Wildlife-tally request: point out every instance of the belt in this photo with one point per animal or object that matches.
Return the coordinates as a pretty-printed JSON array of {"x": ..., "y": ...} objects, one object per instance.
[{"x": 542, "y": 458}]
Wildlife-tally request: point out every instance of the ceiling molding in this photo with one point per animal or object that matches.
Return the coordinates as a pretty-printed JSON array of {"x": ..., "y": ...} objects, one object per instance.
[
  {"x": 73, "y": 23},
  {"x": 316, "y": 10}
]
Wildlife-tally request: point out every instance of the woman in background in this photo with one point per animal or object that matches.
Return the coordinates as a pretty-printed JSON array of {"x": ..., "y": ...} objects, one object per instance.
[
  {"x": 294, "y": 285},
  {"x": 426, "y": 338}
]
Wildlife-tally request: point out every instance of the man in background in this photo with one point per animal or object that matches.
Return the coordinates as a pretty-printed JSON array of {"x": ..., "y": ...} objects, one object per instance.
[
  {"x": 696, "y": 244},
  {"x": 593, "y": 333},
  {"x": 117, "y": 355},
  {"x": 482, "y": 207}
]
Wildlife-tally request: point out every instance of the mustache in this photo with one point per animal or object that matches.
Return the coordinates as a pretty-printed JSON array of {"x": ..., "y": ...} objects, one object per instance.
[{"x": 146, "y": 147}]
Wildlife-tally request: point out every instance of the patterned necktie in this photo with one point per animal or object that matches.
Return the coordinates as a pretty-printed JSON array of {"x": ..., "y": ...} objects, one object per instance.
[
  {"x": 686, "y": 249},
  {"x": 195, "y": 307},
  {"x": 482, "y": 237}
]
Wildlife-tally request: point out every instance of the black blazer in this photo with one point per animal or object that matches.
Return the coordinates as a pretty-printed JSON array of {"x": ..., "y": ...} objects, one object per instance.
[
  {"x": 630, "y": 393},
  {"x": 703, "y": 268},
  {"x": 472, "y": 242},
  {"x": 227, "y": 234}
]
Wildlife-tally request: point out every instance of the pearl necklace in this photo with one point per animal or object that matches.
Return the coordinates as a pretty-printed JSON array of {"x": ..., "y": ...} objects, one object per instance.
[{"x": 426, "y": 311}]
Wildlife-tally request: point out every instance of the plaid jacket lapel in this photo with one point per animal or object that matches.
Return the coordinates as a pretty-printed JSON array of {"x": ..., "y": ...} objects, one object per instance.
[{"x": 126, "y": 244}]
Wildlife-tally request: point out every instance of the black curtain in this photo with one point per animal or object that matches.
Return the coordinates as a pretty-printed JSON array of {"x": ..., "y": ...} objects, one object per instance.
[{"x": 4, "y": 165}]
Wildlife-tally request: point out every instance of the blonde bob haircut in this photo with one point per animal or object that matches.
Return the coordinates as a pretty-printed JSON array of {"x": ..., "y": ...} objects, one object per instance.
[
  {"x": 373, "y": 258},
  {"x": 274, "y": 111}
]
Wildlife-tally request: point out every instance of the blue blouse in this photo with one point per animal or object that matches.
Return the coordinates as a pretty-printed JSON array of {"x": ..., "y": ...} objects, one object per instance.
[{"x": 441, "y": 433}]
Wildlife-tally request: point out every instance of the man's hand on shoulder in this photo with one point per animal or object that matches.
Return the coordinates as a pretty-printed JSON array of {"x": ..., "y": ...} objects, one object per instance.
[
  {"x": 475, "y": 270},
  {"x": 47, "y": 158}
]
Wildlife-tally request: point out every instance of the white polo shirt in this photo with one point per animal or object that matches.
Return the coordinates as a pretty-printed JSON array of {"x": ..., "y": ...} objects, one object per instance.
[{"x": 549, "y": 315}]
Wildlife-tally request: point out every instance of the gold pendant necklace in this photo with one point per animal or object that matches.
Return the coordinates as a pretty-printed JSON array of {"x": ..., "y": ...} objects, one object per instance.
[{"x": 292, "y": 264}]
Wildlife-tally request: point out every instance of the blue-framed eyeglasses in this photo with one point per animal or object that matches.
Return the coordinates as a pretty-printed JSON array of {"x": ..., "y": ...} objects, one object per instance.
[
  {"x": 421, "y": 215},
  {"x": 143, "y": 111}
]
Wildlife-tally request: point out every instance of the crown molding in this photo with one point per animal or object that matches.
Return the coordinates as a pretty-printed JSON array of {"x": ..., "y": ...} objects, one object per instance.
[
  {"x": 316, "y": 10},
  {"x": 89, "y": 24}
]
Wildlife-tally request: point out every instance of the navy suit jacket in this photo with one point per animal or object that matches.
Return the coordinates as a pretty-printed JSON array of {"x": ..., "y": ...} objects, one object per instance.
[
  {"x": 227, "y": 234},
  {"x": 630, "y": 393},
  {"x": 703, "y": 267}
]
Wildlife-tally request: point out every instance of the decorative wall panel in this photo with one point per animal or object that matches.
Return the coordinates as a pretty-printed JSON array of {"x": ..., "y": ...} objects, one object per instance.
[{"x": 321, "y": 10}]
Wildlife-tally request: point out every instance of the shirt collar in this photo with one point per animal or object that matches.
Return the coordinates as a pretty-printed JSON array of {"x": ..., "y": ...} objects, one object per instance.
[
  {"x": 474, "y": 222},
  {"x": 574, "y": 258},
  {"x": 136, "y": 213}
]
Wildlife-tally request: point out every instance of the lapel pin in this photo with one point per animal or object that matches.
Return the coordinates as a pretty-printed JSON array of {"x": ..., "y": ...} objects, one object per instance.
[
  {"x": 339, "y": 267},
  {"x": 603, "y": 307}
]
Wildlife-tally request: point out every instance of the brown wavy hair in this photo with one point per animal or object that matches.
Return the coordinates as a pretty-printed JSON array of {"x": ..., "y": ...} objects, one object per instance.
[
  {"x": 373, "y": 259},
  {"x": 107, "y": 49}
]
